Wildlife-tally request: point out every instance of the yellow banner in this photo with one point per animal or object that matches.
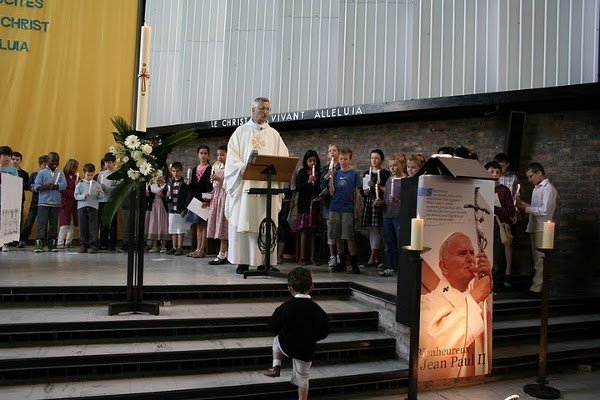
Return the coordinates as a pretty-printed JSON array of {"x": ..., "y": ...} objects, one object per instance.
[{"x": 66, "y": 67}]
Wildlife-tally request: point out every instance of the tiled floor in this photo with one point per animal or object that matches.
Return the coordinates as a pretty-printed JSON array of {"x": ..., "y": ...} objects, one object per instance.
[{"x": 68, "y": 268}]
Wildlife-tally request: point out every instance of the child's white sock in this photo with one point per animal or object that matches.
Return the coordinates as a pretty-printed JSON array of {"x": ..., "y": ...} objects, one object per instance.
[{"x": 276, "y": 362}]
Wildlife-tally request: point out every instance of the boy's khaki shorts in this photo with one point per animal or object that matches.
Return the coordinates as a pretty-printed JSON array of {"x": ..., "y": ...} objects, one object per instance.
[
  {"x": 300, "y": 369},
  {"x": 342, "y": 225}
]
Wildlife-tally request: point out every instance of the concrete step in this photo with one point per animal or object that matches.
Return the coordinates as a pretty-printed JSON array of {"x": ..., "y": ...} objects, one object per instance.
[
  {"x": 70, "y": 324},
  {"x": 325, "y": 380},
  {"x": 509, "y": 356},
  {"x": 507, "y": 331},
  {"x": 44, "y": 295},
  {"x": 516, "y": 308},
  {"x": 101, "y": 361}
]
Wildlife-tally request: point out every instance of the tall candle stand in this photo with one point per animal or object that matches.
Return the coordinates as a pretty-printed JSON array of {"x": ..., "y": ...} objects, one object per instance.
[
  {"x": 540, "y": 390},
  {"x": 414, "y": 256}
]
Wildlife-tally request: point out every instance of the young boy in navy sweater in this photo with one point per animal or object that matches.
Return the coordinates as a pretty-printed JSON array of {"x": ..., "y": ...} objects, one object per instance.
[{"x": 299, "y": 324}]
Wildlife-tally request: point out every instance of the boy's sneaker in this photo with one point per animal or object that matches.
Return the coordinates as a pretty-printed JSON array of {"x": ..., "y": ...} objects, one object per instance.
[
  {"x": 355, "y": 269},
  {"x": 339, "y": 268},
  {"x": 39, "y": 247},
  {"x": 387, "y": 272},
  {"x": 332, "y": 262},
  {"x": 52, "y": 246},
  {"x": 21, "y": 245},
  {"x": 5, "y": 248},
  {"x": 60, "y": 247}
]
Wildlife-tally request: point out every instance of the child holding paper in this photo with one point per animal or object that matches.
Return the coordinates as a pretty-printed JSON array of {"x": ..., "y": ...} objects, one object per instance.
[{"x": 198, "y": 184}]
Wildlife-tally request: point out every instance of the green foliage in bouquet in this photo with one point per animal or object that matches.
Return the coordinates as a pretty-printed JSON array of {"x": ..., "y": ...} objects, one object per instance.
[{"x": 137, "y": 160}]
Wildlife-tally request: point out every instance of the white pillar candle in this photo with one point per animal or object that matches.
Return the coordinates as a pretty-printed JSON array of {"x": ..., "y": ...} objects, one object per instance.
[
  {"x": 379, "y": 176},
  {"x": 313, "y": 170},
  {"x": 143, "y": 76},
  {"x": 57, "y": 176},
  {"x": 370, "y": 172},
  {"x": 416, "y": 233},
  {"x": 377, "y": 191},
  {"x": 90, "y": 188},
  {"x": 189, "y": 174},
  {"x": 77, "y": 176},
  {"x": 548, "y": 235},
  {"x": 392, "y": 186},
  {"x": 331, "y": 164},
  {"x": 518, "y": 189}
]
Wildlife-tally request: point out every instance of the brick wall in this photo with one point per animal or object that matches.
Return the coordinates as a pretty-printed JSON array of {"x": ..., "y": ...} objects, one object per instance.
[{"x": 567, "y": 144}]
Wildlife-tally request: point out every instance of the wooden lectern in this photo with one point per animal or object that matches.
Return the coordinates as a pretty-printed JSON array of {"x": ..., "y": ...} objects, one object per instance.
[{"x": 270, "y": 169}]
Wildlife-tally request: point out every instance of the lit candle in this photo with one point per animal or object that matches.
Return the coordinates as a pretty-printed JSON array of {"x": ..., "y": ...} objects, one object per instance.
[
  {"x": 416, "y": 233},
  {"x": 57, "y": 176},
  {"x": 90, "y": 188},
  {"x": 548, "y": 235},
  {"x": 370, "y": 172},
  {"x": 379, "y": 176},
  {"x": 143, "y": 76},
  {"x": 331, "y": 164},
  {"x": 377, "y": 191},
  {"x": 313, "y": 170},
  {"x": 518, "y": 190},
  {"x": 101, "y": 179},
  {"x": 77, "y": 176},
  {"x": 392, "y": 186},
  {"x": 189, "y": 174}
]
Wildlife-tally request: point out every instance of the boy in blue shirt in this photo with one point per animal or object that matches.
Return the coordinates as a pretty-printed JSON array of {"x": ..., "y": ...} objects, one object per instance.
[
  {"x": 345, "y": 209},
  {"x": 48, "y": 183}
]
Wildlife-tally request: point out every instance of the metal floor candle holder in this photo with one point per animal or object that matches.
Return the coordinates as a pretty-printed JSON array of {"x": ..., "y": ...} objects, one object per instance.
[
  {"x": 540, "y": 389},
  {"x": 413, "y": 358}
]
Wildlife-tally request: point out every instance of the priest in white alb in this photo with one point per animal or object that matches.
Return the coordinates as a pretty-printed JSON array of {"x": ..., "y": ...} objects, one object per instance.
[{"x": 245, "y": 211}]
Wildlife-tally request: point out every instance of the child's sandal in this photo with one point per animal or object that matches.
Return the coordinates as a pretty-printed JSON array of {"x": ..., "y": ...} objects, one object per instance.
[{"x": 273, "y": 372}]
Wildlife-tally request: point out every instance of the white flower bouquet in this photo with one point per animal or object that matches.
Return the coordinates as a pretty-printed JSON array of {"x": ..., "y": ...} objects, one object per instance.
[{"x": 138, "y": 158}]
